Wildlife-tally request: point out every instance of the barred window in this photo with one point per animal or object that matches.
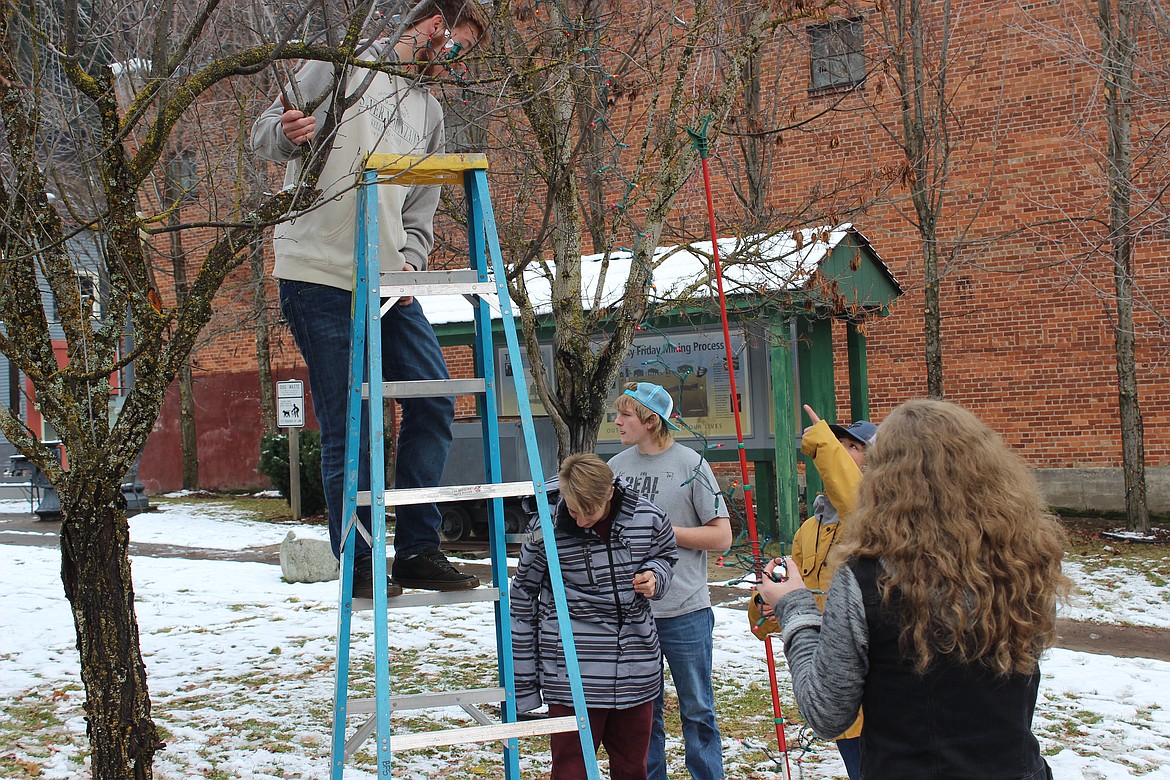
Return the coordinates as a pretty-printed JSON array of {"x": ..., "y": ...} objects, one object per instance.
[{"x": 838, "y": 54}]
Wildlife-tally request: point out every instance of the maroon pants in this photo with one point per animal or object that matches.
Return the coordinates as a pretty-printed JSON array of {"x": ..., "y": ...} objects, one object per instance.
[{"x": 625, "y": 734}]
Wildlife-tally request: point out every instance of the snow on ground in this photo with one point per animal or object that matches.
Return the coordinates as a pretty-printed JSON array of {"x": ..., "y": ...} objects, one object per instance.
[
  {"x": 240, "y": 663},
  {"x": 16, "y": 506},
  {"x": 214, "y": 526},
  {"x": 1115, "y": 594}
]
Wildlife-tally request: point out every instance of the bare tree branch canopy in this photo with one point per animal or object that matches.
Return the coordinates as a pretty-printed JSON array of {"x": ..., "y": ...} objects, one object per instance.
[
  {"x": 121, "y": 124},
  {"x": 587, "y": 108}
]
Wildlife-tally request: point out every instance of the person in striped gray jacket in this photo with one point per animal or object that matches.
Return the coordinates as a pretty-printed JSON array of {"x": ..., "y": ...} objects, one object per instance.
[{"x": 617, "y": 551}]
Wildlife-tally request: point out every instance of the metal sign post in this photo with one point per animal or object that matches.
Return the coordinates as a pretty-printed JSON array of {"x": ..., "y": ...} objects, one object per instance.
[{"x": 290, "y": 415}]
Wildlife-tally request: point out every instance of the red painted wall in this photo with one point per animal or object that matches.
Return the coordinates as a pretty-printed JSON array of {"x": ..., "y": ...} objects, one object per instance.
[{"x": 228, "y": 430}]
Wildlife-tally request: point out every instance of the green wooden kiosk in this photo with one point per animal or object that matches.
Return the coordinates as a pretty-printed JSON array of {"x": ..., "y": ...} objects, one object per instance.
[{"x": 784, "y": 292}]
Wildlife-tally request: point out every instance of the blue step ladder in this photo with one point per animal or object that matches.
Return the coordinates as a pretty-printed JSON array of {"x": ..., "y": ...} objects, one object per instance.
[{"x": 374, "y": 293}]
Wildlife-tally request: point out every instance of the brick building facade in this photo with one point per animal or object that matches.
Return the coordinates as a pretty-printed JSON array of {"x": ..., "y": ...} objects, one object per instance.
[{"x": 1027, "y": 302}]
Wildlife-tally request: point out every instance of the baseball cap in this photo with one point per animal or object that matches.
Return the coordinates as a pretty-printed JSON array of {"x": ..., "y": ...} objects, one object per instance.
[
  {"x": 656, "y": 399},
  {"x": 860, "y": 430}
]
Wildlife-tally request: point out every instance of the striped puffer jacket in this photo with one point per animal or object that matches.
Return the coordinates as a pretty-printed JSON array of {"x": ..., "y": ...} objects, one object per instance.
[{"x": 613, "y": 629}]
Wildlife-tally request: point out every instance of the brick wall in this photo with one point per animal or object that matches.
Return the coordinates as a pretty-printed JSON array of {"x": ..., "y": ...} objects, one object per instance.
[{"x": 1027, "y": 337}]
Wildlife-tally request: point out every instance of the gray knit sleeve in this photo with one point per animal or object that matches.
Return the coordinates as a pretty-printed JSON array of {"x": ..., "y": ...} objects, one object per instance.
[{"x": 828, "y": 655}]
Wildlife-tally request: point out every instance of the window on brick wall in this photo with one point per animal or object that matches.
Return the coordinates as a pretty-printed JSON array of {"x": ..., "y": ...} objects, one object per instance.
[
  {"x": 184, "y": 174},
  {"x": 838, "y": 54}
]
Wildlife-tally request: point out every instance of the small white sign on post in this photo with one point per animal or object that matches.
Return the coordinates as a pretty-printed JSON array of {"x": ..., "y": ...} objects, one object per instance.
[
  {"x": 290, "y": 403},
  {"x": 290, "y": 415}
]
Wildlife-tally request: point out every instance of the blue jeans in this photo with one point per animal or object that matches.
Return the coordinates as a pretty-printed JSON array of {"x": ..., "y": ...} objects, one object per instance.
[
  {"x": 850, "y": 750},
  {"x": 319, "y": 317},
  {"x": 686, "y": 646}
]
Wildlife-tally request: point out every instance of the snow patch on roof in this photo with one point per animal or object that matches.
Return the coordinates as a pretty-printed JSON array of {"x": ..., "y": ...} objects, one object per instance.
[{"x": 753, "y": 264}]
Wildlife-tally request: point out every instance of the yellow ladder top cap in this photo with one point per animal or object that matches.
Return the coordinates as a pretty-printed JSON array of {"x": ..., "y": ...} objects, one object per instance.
[{"x": 409, "y": 169}]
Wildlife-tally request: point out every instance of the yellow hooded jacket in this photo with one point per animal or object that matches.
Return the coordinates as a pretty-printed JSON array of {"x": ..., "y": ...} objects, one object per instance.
[{"x": 813, "y": 540}]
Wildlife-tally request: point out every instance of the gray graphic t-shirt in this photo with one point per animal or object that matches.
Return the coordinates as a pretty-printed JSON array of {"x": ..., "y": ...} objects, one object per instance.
[{"x": 681, "y": 484}]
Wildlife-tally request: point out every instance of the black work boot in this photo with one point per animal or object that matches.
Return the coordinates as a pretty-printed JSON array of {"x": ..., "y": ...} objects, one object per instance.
[
  {"x": 430, "y": 570},
  {"x": 363, "y": 581}
]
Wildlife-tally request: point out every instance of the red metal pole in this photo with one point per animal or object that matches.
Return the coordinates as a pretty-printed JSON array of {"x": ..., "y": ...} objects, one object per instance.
[
  {"x": 700, "y": 140},
  {"x": 749, "y": 510}
]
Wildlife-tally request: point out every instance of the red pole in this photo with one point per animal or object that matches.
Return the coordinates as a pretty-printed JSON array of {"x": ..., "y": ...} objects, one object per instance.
[
  {"x": 749, "y": 510},
  {"x": 700, "y": 140}
]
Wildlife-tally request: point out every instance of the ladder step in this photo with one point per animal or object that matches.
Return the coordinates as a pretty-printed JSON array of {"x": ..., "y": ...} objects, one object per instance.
[
  {"x": 410, "y": 169},
  {"x": 422, "y": 701},
  {"x": 428, "y": 388},
  {"x": 395, "y": 284},
  {"x": 523, "y": 538},
  {"x": 446, "y": 493},
  {"x": 496, "y": 731},
  {"x": 429, "y": 598}
]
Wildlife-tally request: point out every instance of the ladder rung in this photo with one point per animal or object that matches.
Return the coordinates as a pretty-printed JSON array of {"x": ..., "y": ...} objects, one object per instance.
[
  {"x": 395, "y": 284},
  {"x": 452, "y": 276},
  {"x": 528, "y": 728},
  {"x": 429, "y": 388},
  {"x": 523, "y": 538},
  {"x": 422, "y": 701},
  {"x": 437, "y": 288},
  {"x": 438, "y": 495},
  {"x": 424, "y": 168},
  {"x": 433, "y": 599}
]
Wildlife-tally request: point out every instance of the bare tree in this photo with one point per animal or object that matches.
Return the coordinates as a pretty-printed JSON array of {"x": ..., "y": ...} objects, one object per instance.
[
  {"x": 1123, "y": 127},
  {"x": 174, "y": 165},
  {"x": 916, "y": 38},
  {"x": 591, "y": 129},
  {"x": 92, "y": 92},
  {"x": 1118, "y": 25}
]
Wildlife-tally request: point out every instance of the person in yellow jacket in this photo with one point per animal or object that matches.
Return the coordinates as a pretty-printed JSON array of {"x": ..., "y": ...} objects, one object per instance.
[{"x": 838, "y": 452}]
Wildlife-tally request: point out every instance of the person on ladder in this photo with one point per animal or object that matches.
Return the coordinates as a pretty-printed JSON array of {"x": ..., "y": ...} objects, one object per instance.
[{"x": 315, "y": 267}]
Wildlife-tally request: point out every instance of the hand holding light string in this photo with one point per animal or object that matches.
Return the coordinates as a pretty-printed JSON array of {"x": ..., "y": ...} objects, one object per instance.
[{"x": 781, "y": 577}]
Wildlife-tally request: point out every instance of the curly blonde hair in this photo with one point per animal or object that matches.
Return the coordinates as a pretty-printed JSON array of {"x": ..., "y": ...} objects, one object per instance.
[{"x": 965, "y": 539}]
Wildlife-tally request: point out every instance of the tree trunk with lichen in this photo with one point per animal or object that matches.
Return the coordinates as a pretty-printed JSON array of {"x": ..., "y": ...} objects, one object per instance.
[
  {"x": 95, "y": 568},
  {"x": 111, "y": 199}
]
